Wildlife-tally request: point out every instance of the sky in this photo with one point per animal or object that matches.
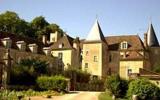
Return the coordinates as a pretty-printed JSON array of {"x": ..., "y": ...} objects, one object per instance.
[{"x": 76, "y": 17}]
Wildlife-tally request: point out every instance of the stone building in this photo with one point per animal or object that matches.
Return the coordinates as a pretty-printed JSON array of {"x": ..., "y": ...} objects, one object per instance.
[
  {"x": 22, "y": 48},
  {"x": 97, "y": 54}
]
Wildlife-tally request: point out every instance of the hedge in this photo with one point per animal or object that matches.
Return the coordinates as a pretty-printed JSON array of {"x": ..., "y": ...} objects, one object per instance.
[
  {"x": 52, "y": 83},
  {"x": 144, "y": 89}
]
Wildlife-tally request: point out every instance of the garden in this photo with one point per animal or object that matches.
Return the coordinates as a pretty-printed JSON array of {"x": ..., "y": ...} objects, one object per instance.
[
  {"x": 139, "y": 89},
  {"x": 30, "y": 77}
]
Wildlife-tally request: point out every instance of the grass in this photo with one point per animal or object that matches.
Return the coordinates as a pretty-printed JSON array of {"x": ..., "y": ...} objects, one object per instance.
[
  {"x": 104, "y": 96},
  {"x": 107, "y": 96},
  {"x": 13, "y": 95}
]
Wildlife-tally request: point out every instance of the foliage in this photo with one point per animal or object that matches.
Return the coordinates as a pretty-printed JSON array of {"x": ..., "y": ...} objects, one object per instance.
[
  {"x": 13, "y": 95},
  {"x": 143, "y": 89},
  {"x": 116, "y": 86},
  {"x": 79, "y": 75},
  {"x": 107, "y": 96},
  {"x": 10, "y": 22},
  {"x": 92, "y": 85},
  {"x": 52, "y": 82},
  {"x": 26, "y": 72}
]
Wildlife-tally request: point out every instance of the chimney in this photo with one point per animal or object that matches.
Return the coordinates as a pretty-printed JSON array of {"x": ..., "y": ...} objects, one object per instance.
[
  {"x": 145, "y": 40},
  {"x": 44, "y": 39},
  {"x": 76, "y": 42}
]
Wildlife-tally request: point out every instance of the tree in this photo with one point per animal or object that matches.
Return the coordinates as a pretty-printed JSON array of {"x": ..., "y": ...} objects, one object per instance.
[
  {"x": 10, "y": 22},
  {"x": 38, "y": 24},
  {"x": 143, "y": 89},
  {"x": 116, "y": 86},
  {"x": 26, "y": 72},
  {"x": 51, "y": 28}
]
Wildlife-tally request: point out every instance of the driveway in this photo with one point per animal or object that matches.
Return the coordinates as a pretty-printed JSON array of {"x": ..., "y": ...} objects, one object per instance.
[{"x": 80, "y": 95}]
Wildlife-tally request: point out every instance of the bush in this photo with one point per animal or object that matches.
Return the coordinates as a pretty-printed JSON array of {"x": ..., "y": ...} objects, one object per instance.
[
  {"x": 116, "y": 86},
  {"x": 26, "y": 71},
  {"x": 92, "y": 85},
  {"x": 52, "y": 83},
  {"x": 79, "y": 75},
  {"x": 143, "y": 89}
]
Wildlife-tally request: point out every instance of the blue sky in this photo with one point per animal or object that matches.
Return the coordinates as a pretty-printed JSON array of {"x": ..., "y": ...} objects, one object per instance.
[{"x": 116, "y": 17}]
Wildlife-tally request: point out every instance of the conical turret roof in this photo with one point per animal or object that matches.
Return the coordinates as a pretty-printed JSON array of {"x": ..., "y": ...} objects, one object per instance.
[
  {"x": 95, "y": 33},
  {"x": 152, "y": 40}
]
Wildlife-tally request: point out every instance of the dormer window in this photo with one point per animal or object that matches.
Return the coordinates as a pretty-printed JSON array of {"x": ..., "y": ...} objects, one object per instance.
[
  {"x": 124, "y": 45},
  {"x": 47, "y": 51},
  {"x": 61, "y": 45},
  {"x": 21, "y": 45},
  {"x": 7, "y": 42},
  {"x": 33, "y": 48}
]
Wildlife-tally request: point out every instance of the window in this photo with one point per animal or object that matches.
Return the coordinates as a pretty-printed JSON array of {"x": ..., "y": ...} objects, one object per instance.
[
  {"x": 60, "y": 56},
  {"x": 124, "y": 45},
  {"x": 86, "y": 65},
  {"x": 129, "y": 71},
  {"x": 61, "y": 45},
  {"x": 95, "y": 59}
]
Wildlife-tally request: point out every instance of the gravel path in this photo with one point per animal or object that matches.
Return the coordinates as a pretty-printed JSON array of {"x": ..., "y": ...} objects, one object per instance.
[{"x": 72, "y": 96}]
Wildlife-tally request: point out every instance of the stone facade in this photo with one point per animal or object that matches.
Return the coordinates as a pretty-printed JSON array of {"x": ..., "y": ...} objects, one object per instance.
[{"x": 99, "y": 55}]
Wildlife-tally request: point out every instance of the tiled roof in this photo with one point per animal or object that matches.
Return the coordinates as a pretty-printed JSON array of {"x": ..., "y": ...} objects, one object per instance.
[
  {"x": 132, "y": 55},
  {"x": 149, "y": 74},
  {"x": 134, "y": 42},
  {"x": 66, "y": 42},
  {"x": 16, "y": 38}
]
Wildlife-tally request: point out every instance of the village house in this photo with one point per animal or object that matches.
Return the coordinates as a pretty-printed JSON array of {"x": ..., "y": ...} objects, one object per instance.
[{"x": 126, "y": 55}]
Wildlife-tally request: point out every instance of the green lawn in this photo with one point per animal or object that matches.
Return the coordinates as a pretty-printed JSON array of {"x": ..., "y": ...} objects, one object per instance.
[{"x": 106, "y": 96}]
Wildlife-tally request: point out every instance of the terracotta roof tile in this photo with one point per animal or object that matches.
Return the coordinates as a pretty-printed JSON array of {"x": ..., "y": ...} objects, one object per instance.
[
  {"x": 27, "y": 40},
  {"x": 134, "y": 42},
  {"x": 66, "y": 42},
  {"x": 132, "y": 55}
]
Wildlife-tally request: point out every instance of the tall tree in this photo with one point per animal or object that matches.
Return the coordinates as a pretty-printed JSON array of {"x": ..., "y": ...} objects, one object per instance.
[{"x": 38, "y": 24}]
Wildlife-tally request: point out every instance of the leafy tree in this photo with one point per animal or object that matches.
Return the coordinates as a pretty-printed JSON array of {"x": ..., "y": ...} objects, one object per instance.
[
  {"x": 78, "y": 75},
  {"x": 143, "y": 89},
  {"x": 38, "y": 24},
  {"x": 26, "y": 72},
  {"x": 10, "y": 22},
  {"x": 51, "y": 28},
  {"x": 116, "y": 86}
]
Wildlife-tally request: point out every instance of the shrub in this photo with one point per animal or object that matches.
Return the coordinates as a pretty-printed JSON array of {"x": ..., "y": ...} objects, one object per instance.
[
  {"x": 116, "y": 86},
  {"x": 143, "y": 89},
  {"x": 79, "y": 75},
  {"x": 92, "y": 85},
  {"x": 52, "y": 82},
  {"x": 26, "y": 71}
]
